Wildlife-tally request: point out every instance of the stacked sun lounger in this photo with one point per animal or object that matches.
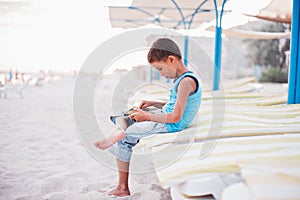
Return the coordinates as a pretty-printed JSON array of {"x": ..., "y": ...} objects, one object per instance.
[
  {"x": 18, "y": 89},
  {"x": 243, "y": 144}
]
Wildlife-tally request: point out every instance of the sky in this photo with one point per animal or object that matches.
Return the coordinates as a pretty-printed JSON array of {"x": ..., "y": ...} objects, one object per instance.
[
  {"x": 52, "y": 34},
  {"x": 60, "y": 34}
]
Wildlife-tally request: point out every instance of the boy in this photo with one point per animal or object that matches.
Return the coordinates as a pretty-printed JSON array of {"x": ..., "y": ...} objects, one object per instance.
[{"x": 175, "y": 115}]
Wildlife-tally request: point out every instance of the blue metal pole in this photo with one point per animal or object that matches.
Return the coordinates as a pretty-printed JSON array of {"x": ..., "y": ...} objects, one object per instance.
[
  {"x": 218, "y": 46},
  {"x": 186, "y": 49},
  {"x": 294, "y": 72},
  {"x": 157, "y": 75},
  {"x": 217, "y": 58}
]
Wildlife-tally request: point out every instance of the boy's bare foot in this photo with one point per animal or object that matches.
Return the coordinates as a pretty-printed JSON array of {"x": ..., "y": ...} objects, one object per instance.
[
  {"x": 108, "y": 142},
  {"x": 119, "y": 191}
]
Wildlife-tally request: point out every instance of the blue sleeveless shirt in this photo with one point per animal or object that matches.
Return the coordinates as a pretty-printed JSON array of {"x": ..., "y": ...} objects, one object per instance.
[{"x": 192, "y": 104}]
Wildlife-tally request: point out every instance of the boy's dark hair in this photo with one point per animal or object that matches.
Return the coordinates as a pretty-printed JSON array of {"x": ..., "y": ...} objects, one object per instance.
[{"x": 161, "y": 49}]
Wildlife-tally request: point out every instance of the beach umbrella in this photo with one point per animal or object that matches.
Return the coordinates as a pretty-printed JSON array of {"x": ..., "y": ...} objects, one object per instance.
[
  {"x": 280, "y": 11},
  {"x": 174, "y": 14},
  {"x": 188, "y": 14},
  {"x": 242, "y": 12}
]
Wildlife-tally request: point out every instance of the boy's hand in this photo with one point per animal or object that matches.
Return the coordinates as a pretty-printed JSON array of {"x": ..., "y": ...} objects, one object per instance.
[
  {"x": 145, "y": 104},
  {"x": 139, "y": 115}
]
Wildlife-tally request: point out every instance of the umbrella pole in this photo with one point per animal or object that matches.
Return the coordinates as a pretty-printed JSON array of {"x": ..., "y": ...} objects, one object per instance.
[
  {"x": 218, "y": 46},
  {"x": 186, "y": 49},
  {"x": 217, "y": 58},
  {"x": 294, "y": 69}
]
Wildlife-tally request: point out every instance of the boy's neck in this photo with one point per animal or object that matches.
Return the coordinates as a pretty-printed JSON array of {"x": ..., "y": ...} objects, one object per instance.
[{"x": 181, "y": 70}]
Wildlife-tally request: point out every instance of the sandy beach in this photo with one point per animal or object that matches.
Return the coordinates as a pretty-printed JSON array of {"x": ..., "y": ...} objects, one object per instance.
[
  {"x": 68, "y": 69},
  {"x": 42, "y": 156}
]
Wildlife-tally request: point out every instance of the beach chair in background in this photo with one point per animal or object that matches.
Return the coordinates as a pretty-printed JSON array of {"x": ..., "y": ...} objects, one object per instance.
[
  {"x": 2, "y": 91},
  {"x": 39, "y": 78},
  {"x": 18, "y": 89}
]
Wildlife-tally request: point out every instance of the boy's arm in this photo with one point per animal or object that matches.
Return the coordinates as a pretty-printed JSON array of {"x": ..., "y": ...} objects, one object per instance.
[
  {"x": 157, "y": 104},
  {"x": 186, "y": 86}
]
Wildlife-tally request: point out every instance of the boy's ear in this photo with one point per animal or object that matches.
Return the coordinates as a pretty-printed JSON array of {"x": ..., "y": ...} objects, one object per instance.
[{"x": 171, "y": 58}]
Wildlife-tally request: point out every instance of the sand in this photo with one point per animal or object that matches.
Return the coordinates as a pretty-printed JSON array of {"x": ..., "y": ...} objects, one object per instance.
[{"x": 42, "y": 157}]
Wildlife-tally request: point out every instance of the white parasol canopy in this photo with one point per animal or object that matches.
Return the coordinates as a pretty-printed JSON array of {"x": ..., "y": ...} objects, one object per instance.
[
  {"x": 166, "y": 14},
  {"x": 180, "y": 14},
  {"x": 203, "y": 14}
]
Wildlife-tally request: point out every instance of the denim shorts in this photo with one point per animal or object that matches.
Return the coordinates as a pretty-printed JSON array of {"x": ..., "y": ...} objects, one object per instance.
[{"x": 123, "y": 148}]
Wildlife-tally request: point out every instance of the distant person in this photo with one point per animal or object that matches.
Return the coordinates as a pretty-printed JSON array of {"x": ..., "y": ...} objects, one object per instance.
[
  {"x": 10, "y": 76},
  {"x": 174, "y": 115},
  {"x": 16, "y": 75},
  {"x": 17, "y": 79}
]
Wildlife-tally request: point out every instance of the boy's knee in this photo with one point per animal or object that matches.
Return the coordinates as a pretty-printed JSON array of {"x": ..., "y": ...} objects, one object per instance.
[
  {"x": 129, "y": 140},
  {"x": 140, "y": 129}
]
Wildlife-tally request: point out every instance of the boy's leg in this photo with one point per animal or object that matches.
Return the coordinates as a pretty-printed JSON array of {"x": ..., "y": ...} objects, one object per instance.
[
  {"x": 137, "y": 130},
  {"x": 123, "y": 150},
  {"x": 122, "y": 124},
  {"x": 122, "y": 188},
  {"x": 111, "y": 140}
]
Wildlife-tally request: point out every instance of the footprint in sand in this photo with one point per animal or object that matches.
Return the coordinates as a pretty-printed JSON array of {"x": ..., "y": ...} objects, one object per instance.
[
  {"x": 95, "y": 187},
  {"x": 165, "y": 194}
]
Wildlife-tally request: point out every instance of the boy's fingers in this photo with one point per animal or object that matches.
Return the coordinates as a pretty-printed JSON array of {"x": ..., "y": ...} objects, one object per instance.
[
  {"x": 136, "y": 109},
  {"x": 142, "y": 105}
]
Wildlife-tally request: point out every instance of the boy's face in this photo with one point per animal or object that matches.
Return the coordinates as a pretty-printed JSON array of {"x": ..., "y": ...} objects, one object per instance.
[{"x": 167, "y": 68}]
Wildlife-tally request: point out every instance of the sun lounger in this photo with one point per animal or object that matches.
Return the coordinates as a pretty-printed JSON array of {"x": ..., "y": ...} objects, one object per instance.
[
  {"x": 14, "y": 88},
  {"x": 2, "y": 91},
  {"x": 267, "y": 179},
  {"x": 235, "y": 123},
  {"x": 237, "y": 191},
  {"x": 225, "y": 158},
  {"x": 238, "y": 83},
  {"x": 226, "y": 155},
  {"x": 203, "y": 186},
  {"x": 240, "y": 126}
]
